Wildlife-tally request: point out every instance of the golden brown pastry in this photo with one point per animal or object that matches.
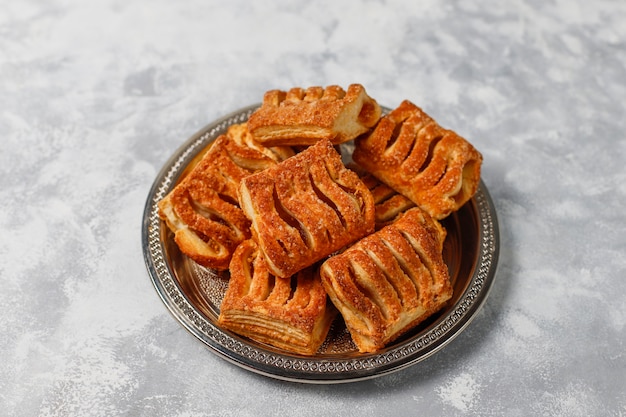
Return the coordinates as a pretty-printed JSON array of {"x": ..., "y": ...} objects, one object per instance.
[
  {"x": 434, "y": 167},
  {"x": 249, "y": 150},
  {"x": 388, "y": 282},
  {"x": 305, "y": 208},
  {"x": 302, "y": 117},
  {"x": 388, "y": 203},
  {"x": 203, "y": 211},
  {"x": 289, "y": 313}
]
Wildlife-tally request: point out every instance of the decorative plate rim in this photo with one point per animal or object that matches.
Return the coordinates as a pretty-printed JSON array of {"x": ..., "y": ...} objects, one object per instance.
[{"x": 324, "y": 369}]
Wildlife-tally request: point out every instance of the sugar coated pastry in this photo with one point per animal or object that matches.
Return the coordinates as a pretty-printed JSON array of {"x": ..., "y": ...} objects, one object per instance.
[
  {"x": 202, "y": 209},
  {"x": 388, "y": 203},
  {"x": 434, "y": 167},
  {"x": 390, "y": 281},
  {"x": 289, "y": 313},
  {"x": 307, "y": 233},
  {"x": 305, "y": 208},
  {"x": 304, "y": 116}
]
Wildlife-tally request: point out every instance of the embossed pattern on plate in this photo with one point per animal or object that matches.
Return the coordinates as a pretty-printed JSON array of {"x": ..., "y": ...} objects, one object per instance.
[{"x": 193, "y": 293}]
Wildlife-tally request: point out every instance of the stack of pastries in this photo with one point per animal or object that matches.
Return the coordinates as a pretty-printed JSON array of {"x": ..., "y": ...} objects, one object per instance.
[{"x": 305, "y": 237}]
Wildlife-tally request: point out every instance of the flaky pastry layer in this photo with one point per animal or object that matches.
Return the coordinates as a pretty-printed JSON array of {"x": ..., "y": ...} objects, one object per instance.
[
  {"x": 434, "y": 167},
  {"x": 390, "y": 281},
  {"x": 302, "y": 117},
  {"x": 289, "y": 313}
]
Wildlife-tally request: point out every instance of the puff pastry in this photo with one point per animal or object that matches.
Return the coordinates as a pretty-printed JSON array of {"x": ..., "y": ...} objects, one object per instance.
[
  {"x": 434, "y": 167},
  {"x": 302, "y": 117},
  {"x": 203, "y": 211},
  {"x": 289, "y": 313},
  {"x": 389, "y": 281},
  {"x": 305, "y": 208},
  {"x": 388, "y": 203}
]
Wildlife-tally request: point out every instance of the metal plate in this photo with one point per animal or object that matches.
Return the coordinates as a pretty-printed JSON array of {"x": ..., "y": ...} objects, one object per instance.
[{"x": 193, "y": 294}]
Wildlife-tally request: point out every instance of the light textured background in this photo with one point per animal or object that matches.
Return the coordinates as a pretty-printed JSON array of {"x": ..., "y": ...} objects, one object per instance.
[{"x": 95, "y": 97}]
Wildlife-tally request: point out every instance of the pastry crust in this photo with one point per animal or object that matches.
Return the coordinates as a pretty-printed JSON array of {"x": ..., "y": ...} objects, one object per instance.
[
  {"x": 302, "y": 117},
  {"x": 305, "y": 208},
  {"x": 388, "y": 282},
  {"x": 388, "y": 203},
  {"x": 203, "y": 211},
  {"x": 434, "y": 167},
  {"x": 289, "y": 313}
]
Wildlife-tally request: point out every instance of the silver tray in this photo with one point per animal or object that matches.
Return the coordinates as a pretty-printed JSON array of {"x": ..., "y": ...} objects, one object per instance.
[{"x": 193, "y": 294}]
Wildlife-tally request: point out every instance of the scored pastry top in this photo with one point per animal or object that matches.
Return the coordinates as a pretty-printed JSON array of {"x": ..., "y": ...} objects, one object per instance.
[
  {"x": 203, "y": 211},
  {"x": 389, "y": 281},
  {"x": 289, "y": 313},
  {"x": 304, "y": 116},
  {"x": 305, "y": 208},
  {"x": 434, "y": 167}
]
